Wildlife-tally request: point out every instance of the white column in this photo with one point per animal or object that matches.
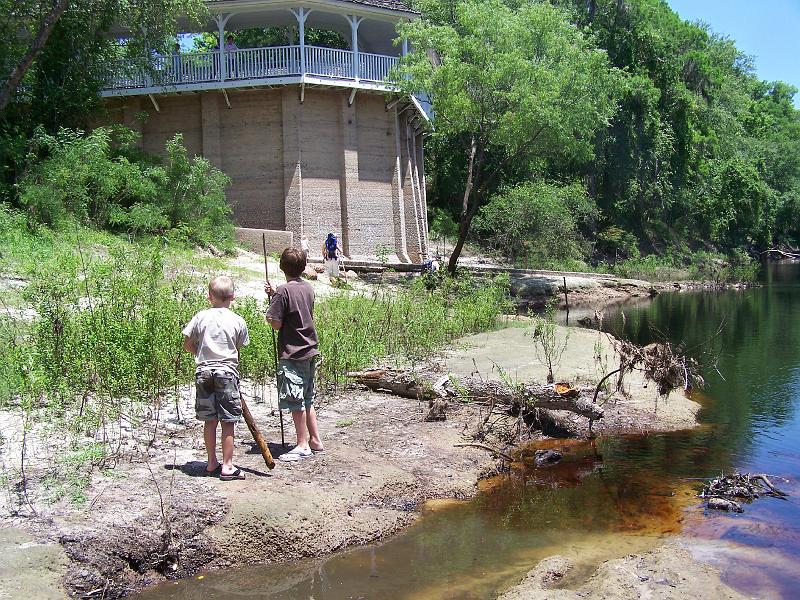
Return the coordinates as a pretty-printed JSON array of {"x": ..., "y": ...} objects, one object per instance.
[
  {"x": 354, "y": 23},
  {"x": 301, "y": 14},
  {"x": 405, "y": 46},
  {"x": 221, "y": 21}
]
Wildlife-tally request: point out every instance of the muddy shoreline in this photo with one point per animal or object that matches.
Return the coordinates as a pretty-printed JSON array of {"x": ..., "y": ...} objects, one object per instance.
[
  {"x": 156, "y": 517},
  {"x": 152, "y": 516}
]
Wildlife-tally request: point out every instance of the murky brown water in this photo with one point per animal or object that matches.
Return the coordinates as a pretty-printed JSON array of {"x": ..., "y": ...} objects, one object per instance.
[{"x": 608, "y": 498}]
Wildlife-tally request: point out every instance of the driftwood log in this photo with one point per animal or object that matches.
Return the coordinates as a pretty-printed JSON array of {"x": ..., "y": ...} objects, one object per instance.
[{"x": 520, "y": 397}]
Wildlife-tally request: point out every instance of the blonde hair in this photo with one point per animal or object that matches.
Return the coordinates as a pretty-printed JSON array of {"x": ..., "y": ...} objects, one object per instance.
[{"x": 221, "y": 288}]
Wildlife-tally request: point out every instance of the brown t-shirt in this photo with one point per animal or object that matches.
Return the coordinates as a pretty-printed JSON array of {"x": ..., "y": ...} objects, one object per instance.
[{"x": 293, "y": 306}]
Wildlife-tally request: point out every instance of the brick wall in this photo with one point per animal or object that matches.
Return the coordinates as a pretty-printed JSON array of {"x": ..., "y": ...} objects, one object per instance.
[
  {"x": 252, "y": 239},
  {"x": 178, "y": 114},
  {"x": 252, "y": 156},
  {"x": 320, "y": 135},
  {"x": 307, "y": 168}
]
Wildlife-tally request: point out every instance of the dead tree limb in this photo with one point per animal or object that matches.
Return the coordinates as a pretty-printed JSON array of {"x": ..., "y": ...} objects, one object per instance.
[
  {"x": 525, "y": 396},
  {"x": 395, "y": 381},
  {"x": 499, "y": 453}
]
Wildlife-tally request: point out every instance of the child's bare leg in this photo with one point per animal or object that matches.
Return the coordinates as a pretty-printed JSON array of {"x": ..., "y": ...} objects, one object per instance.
[
  {"x": 210, "y": 438},
  {"x": 227, "y": 447},
  {"x": 313, "y": 433},
  {"x": 299, "y": 418}
]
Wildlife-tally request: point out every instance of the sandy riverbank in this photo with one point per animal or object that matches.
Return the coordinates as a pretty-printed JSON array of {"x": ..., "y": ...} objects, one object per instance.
[{"x": 154, "y": 516}]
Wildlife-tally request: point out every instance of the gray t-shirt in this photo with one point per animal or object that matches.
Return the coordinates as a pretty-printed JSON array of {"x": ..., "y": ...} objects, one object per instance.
[
  {"x": 219, "y": 334},
  {"x": 293, "y": 306}
]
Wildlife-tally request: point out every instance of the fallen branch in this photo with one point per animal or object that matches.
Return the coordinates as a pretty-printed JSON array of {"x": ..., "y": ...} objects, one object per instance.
[
  {"x": 394, "y": 381},
  {"x": 783, "y": 253},
  {"x": 720, "y": 491},
  {"x": 499, "y": 453},
  {"x": 522, "y": 397}
]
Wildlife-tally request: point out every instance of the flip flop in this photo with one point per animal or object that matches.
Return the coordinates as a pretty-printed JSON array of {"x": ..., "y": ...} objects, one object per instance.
[
  {"x": 315, "y": 451},
  {"x": 237, "y": 474},
  {"x": 215, "y": 473},
  {"x": 294, "y": 454}
]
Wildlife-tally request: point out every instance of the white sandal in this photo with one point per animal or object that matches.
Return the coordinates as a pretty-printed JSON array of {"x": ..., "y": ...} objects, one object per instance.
[{"x": 294, "y": 454}]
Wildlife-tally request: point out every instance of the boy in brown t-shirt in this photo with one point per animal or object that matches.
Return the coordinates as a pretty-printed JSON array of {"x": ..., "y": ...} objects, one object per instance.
[{"x": 291, "y": 313}]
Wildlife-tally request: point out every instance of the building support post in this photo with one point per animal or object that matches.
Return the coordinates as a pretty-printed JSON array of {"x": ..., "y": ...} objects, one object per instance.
[
  {"x": 301, "y": 14},
  {"x": 221, "y": 21},
  {"x": 354, "y": 23}
]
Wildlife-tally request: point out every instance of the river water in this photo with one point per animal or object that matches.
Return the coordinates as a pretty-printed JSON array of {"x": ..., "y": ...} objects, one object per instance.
[{"x": 614, "y": 496}]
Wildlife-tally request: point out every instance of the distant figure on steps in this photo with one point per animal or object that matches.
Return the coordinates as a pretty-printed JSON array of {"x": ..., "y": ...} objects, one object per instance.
[{"x": 331, "y": 252}]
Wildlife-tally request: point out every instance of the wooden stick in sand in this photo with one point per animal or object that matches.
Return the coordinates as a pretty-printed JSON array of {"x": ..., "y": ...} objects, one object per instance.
[
  {"x": 274, "y": 344},
  {"x": 260, "y": 441}
]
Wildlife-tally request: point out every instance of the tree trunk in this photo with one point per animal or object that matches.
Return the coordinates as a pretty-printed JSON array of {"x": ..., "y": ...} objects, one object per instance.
[
  {"x": 463, "y": 224},
  {"x": 10, "y": 86}
]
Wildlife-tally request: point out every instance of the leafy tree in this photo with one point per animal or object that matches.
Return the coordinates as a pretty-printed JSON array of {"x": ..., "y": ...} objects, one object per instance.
[
  {"x": 53, "y": 66},
  {"x": 509, "y": 85},
  {"x": 31, "y": 28},
  {"x": 699, "y": 156}
]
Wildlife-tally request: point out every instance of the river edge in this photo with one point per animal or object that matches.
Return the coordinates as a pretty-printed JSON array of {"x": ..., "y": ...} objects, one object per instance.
[
  {"x": 117, "y": 542},
  {"x": 155, "y": 517}
]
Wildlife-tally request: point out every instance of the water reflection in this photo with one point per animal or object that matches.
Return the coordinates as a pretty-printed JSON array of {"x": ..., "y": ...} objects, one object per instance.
[{"x": 615, "y": 496}]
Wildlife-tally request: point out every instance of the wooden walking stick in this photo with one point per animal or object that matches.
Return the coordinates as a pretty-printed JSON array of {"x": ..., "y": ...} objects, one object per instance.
[
  {"x": 262, "y": 444},
  {"x": 274, "y": 342}
]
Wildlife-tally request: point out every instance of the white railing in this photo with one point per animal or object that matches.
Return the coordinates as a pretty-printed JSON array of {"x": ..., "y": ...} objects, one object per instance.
[
  {"x": 167, "y": 71},
  {"x": 257, "y": 63},
  {"x": 329, "y": 62},
  {"x": 375, "y": 67},
  {"x": 248, "y": 64}
]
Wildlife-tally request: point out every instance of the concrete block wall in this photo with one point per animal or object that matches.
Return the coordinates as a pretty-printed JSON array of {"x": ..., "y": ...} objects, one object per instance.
[
  {"x": 306, "y": 168},
  {"x": 252, "y": 239},
  {"x": 252, "y": 156},
  {"x": 320, "y": 134}
]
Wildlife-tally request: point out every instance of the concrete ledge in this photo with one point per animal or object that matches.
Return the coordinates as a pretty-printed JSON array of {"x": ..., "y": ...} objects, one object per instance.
[{"x": 277, "y": 240}]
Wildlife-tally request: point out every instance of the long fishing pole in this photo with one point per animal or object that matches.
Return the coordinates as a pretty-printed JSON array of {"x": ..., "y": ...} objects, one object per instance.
[{"x": 274, "y": 341}]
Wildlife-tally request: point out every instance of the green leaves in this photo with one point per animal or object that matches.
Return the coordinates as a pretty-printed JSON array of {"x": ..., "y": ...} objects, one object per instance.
[
  {"x": 509, "y": 85},
  {"x": 662, "y": 120},
  {"x": 92, "y": 179},
  {"x": 537, "y": 223},
  {"x": 519, "y": 80}
]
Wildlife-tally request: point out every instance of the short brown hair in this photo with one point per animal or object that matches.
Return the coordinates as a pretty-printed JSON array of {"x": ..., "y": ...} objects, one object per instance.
[
  {"x": 293, "y": 262},
  {"x": 221, "y": 288}
]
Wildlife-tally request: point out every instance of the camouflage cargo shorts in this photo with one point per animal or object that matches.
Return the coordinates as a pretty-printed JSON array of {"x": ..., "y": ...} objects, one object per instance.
[{"x": 217, "y": 396}]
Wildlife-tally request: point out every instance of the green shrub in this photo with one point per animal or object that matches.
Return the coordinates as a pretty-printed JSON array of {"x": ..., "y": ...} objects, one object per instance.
[
  {"x": 101, "y": 180},
  {"x": 409, "y": 324},
  {"x": 735, "y": 267},
  {"x": 618, "y": 243},
  {"x": 106, "y": 339},
  {"x": 105, "y": 342},
  {"x": 536, "y": 223}
]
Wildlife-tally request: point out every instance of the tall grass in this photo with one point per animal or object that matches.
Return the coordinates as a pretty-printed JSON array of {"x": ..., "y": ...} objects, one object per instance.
[
  {"x": 104, "y": 343},
  {"x": 406, "y": 324}
]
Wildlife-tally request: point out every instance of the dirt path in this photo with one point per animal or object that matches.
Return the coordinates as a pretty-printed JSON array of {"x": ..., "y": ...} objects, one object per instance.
[{"x": 155, "y": 516}]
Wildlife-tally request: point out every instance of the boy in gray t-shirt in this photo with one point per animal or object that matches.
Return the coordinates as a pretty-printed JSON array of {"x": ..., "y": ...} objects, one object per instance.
[
  {"x": 291, "y": 313},
  {"x": 214, "y": 336}
]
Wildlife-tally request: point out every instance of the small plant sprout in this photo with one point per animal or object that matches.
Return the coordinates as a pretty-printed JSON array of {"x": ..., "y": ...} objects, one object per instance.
[{"x": 549, "y": 348}]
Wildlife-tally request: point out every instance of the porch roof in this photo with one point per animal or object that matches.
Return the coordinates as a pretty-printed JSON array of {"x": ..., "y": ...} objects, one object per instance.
[{"x": 388, "y": 9}]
